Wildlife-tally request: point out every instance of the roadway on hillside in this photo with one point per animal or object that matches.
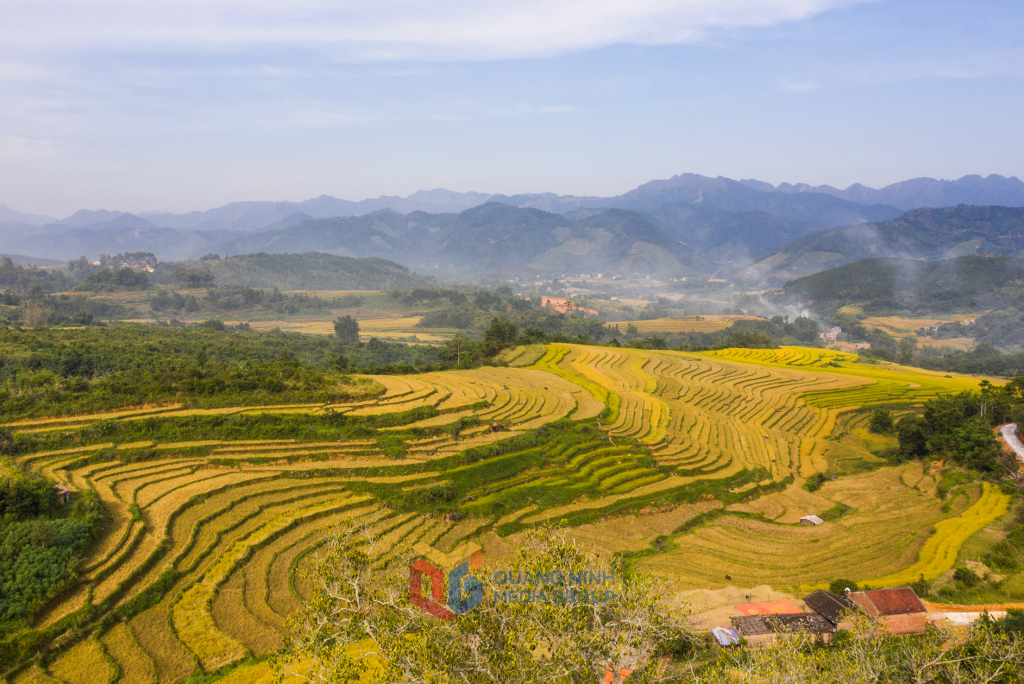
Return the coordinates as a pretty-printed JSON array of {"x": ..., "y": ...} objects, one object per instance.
[{"x": 1010, "y": 435}]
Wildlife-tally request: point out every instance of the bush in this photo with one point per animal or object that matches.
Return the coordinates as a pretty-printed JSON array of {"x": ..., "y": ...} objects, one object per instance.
[
  {"x": 815, "y": 481},
  {"x": 1011, "y": 623},
  {"x": 839, "y": 586},
  {"x": 966, "y": 577}
]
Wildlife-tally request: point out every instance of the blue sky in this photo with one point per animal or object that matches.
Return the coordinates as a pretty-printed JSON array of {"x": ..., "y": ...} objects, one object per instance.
[{"x": 188, "y": 105}]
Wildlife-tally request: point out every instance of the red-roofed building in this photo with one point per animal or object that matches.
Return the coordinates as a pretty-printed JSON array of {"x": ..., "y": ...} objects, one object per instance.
[{"x": 898, "y": 611}]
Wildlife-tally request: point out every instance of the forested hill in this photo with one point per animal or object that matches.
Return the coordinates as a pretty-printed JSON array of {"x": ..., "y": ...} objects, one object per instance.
[
  {"x": 491, "y": 238},
  {"x": 929, "y": 234},
  {"x": 885, "y": 285},
  {"x": 309, "y": 271}
]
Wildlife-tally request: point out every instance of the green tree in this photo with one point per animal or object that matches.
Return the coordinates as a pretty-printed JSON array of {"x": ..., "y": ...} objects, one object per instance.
[
  {"x": 456, "y": 348},
  {"x": 912, "y": 436},
  {"x": 881, "y": 421},
  {"x": 346, "y": 329},
  {"x": 500, "y": 333},
  {"x": 908, "y": 347},
  {"x": 193, "y": 277}
]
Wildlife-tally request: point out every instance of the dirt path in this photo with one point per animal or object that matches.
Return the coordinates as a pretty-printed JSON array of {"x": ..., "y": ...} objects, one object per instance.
[
  {"x": 955, "y": 608},
  {"x": 1009, "y": 433}
]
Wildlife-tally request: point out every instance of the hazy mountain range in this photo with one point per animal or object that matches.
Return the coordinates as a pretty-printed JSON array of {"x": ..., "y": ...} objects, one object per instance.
[
  {"x": 922, "y": 234},
  {"x": 918, "y": 192},
  {"x": 686, "y": 223}
]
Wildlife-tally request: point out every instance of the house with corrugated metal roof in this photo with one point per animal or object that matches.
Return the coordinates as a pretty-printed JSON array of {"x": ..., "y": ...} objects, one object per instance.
[
  {"x": 831, "y": 607},
  {"x": 764, "y": 630}
]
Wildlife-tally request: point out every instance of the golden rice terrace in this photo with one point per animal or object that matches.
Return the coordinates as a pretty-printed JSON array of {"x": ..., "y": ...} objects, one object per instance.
[{"x": 216, "y": 513}]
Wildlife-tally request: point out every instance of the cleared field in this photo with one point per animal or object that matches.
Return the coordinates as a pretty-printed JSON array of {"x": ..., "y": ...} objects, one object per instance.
[
  {"x": 898, "y": 326},
  {"x": 385, "y": 328},
  {"x": 202, "y": 560},
  {"x": 704, "y": 324}
]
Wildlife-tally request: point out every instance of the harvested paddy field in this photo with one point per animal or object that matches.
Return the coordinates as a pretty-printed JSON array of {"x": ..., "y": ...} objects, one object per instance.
[
  {"x": 694, "y": 461},
  {"x": 690, "y": 324}
]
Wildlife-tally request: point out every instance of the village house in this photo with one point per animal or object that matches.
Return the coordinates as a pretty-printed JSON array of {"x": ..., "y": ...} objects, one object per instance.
[
  {"x": 831, "y": 607},
  {"x": 763, "y": 631},
  {"x": 898, "y": 611},
  {"x": 831, "y": 335}
]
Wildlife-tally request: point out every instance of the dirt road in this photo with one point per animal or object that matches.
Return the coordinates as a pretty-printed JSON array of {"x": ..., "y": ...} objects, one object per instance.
[{"x": 1009, "y": 432}]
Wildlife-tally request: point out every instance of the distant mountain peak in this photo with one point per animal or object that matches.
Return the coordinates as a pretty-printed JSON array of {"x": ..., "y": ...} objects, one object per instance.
[
  {"x": 991, "y": 190},
  {"x": 84, "y": 217},
  {"x": 8, "y": 214}
]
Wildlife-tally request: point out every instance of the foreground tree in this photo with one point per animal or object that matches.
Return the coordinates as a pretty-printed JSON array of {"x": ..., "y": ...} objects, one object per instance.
[
  {"x": 361, "y": 619},
  {"x": 985, "y": 655}
]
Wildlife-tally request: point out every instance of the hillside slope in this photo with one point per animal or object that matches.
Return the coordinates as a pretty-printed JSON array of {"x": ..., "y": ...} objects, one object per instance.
[
  {"x": 929, "y": 234},
  {"x": 884, "y": 285},
  {"x": 310, "y": 271},
  {"x": 491, "y": 238}
]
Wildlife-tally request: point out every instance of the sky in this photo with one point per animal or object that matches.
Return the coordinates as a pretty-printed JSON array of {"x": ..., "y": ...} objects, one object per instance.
[{"x": 187, "y": 105}]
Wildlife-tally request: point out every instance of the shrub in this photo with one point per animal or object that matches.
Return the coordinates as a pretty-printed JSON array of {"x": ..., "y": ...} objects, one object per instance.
[
  {"x": 966, "y": 577},
  {"x": 921, "y": 587},
  {"x": 839, "y": 586},
  {"x": 815, "y": 481}
]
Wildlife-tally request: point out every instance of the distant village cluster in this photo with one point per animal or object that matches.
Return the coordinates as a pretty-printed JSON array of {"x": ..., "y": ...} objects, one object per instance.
[
  {"x": 831, "y": 336},
  {"x": 137, "y": 261}
]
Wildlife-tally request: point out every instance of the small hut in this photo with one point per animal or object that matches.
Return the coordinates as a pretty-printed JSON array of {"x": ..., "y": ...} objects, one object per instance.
[
  {"x": 63, "y": 493},
  {"x": 810, "y": 520}
]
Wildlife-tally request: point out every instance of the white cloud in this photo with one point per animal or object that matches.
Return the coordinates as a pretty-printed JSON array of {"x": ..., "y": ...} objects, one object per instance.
[{"x": 356, "y": 30}]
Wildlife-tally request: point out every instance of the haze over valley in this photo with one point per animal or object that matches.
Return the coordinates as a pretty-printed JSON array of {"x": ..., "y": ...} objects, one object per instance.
[{"x": 686, "y": 225}]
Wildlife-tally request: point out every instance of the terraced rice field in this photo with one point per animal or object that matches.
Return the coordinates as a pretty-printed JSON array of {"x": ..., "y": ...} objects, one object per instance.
[
  {"x": 888, "y": 526},
  {"x": 202, "y": 560},
  {"x": 709, "y": 415},
  {"x": 879, "y": 384},
  {"x": 898, "y": 326}
]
